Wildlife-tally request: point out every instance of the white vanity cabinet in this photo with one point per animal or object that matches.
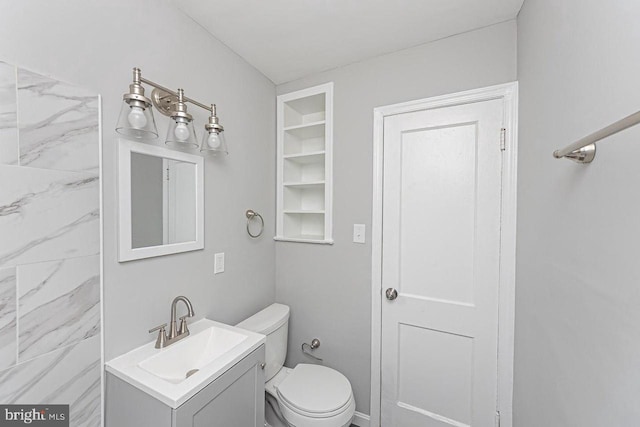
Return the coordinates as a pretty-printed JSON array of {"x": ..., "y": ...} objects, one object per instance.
[
  {"x": 304, "y": 163},
  {"x": 236, "y": 398}
]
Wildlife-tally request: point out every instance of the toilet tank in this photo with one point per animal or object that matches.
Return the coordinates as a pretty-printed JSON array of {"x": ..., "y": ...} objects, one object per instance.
[{"x": 273, "y": 322}]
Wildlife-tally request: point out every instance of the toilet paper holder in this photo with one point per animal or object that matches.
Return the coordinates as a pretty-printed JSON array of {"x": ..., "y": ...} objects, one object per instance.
[{"x": 315, "y": 343}]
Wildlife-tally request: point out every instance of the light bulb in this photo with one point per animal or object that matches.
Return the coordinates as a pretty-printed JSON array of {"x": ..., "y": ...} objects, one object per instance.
[
  {"x": 136, "y": 118},
  {"x": 213, "y": 141},
  {"x": 181, "y": 132}
]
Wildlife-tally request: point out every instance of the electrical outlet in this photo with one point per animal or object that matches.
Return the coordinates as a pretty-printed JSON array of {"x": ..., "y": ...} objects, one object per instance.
[
  {"x": 358, "y": 233},
  {"x": 218, "y": 263}
]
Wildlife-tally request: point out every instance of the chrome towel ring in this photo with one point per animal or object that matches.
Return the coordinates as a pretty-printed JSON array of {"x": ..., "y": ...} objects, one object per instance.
[{"x": 251, "y": 215}]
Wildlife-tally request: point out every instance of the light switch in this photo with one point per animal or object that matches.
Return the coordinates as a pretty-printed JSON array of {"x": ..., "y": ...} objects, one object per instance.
[
  {"x": 218, "y": 263},
  {"x": 358, "y": 233}
]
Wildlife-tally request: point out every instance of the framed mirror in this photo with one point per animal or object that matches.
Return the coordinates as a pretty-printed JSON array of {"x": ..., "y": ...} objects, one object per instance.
[{"x": 160, "y": 201}]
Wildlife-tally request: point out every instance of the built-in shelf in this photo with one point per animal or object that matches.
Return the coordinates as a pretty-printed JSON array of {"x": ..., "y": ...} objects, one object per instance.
[
  {"x": 316, "y": 127},
  {"x": 305, "y": 143},
  {"x": 304, "y": 239},
  {"x": 307, "y": 131},
  {"x": 304, "y": 184},
  {"x": 306, "y": 158},
  {"x": 303, "y": 211}
]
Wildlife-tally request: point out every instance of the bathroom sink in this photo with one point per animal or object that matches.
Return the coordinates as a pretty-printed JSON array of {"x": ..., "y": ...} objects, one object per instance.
[
  {"x": 175, "y": 373},
  {"x": 185, "y": 358}
]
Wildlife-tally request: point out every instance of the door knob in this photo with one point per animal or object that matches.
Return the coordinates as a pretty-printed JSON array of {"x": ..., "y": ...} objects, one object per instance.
[{"x": 391, "y": 294}]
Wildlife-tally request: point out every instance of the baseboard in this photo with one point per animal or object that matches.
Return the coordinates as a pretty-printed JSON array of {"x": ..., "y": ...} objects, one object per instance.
[{"x": 361, "y": 420}]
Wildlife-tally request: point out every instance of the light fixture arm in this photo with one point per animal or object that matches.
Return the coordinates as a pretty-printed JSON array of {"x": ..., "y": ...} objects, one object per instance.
[
  {"x": 213, "y": 124},
  {"x": 172, "y": 92}
]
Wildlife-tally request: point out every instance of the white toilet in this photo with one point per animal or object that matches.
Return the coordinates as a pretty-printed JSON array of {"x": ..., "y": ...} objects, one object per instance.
[{"x": 307, "y": 395}]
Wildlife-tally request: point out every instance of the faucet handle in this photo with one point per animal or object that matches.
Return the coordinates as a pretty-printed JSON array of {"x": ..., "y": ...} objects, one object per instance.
[
  {"x": 183, "y": 325},
  {"x": 162, "y": 335},
  {"x": 157, "y": 328}
]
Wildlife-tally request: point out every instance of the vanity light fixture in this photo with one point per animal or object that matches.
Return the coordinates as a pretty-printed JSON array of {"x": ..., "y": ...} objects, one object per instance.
[
  {"x": 214, "y": 140},
  {"x": 136, "y": 118},
  {"x": 181, "y": 131}
]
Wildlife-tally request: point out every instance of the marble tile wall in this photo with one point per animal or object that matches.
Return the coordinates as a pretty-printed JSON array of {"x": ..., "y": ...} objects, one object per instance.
[
  {"x": 50, "y": 317},
  {"x": 67, "y": 294},
  {"x": 8, "y": 317},
  {"x": 8, "y": 109},
  {"x": 60, "y": 130},
  {"x": 47, "y": 215}
]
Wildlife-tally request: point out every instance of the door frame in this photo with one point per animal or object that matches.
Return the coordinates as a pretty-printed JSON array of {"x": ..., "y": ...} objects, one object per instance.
[{"x": 509, "y": 94}]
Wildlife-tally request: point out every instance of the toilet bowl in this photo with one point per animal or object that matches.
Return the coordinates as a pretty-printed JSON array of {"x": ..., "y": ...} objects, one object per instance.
[
  {"x": 307, "y": 395},
  {"x": 313, "y": 396}
]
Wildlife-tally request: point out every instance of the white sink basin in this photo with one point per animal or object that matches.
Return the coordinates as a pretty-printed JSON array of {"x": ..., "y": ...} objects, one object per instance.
[
  {"x": 177, "y": 372},
  {"x": 187, "y": 356}
]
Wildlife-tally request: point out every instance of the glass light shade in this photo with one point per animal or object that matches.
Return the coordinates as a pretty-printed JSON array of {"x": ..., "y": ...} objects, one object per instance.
[
  {"x": 136, "y": 122},
  {"x": 214, "y": 142},
  {"x": 181, "y": 133}
]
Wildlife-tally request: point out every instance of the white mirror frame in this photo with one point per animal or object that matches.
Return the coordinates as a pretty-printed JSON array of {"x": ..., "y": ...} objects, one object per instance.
[{"x": 126, "y": 252}]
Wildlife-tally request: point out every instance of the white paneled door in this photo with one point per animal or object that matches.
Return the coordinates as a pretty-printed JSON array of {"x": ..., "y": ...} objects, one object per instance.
[{"x": 441, "y": 265}]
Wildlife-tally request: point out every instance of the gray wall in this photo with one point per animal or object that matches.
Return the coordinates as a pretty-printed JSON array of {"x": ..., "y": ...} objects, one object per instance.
[
  {"x": 329, "y": 287},
  {"x": 93, "y": 43},
  {"x": 578, "y": 292}
]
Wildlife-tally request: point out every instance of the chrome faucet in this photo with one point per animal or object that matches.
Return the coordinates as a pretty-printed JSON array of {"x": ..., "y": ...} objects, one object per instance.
[
  {"x": 183, "y": 320},
  {"x": 174, "y": 334}
]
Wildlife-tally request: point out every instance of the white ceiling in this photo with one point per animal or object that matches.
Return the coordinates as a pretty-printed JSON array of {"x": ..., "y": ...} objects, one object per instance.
[{"x": 289, "y": 39}]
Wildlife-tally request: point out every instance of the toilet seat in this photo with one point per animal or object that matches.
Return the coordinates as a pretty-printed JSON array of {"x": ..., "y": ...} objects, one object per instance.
[
  {"x": 342, "y": 419},
  {"x": 315, "y": 390},
  {"x": 308, "y": 414},
  {"x": 313, "y": 395}
]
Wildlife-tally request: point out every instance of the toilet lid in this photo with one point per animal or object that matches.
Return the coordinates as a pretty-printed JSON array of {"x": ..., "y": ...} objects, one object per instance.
[{"x": 315, "y": 389}]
